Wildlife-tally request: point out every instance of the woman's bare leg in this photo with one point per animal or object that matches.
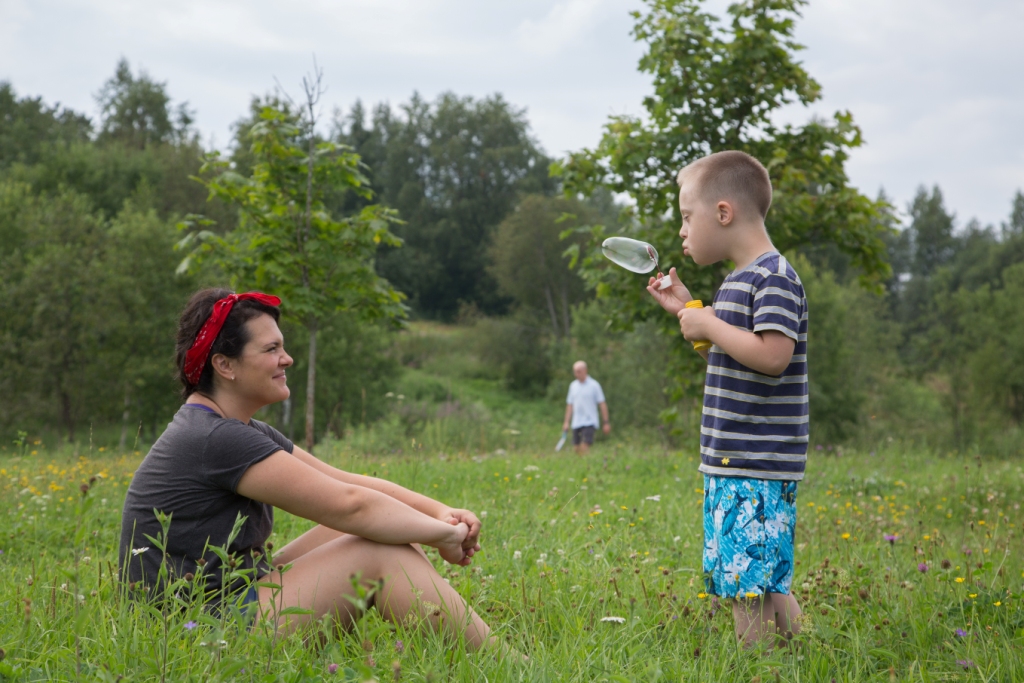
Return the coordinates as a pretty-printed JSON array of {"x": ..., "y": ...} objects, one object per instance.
[
  {"x": 320, "y": 580},
  {"x": 311, "y": 540},
  {"x": 787, "y": 612},
  {"x": 765, "y": 616}
]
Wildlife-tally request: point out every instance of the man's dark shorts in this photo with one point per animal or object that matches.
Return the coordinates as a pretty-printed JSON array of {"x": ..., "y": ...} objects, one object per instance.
[{"x": 583, "y": 435}]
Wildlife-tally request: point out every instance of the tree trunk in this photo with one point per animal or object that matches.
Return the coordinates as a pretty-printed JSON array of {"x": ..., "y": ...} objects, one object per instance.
[
  {"x": 551, "y": 310},
  {"x": 286, "y": 418},
  {"x": 124, "y": 417},
  {"x": 311, "y": 385},
  {"x": 65, "y": 413}
]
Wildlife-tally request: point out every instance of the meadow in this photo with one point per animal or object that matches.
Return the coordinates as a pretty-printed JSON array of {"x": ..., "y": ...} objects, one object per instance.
[{"x": 909, "y": 567}]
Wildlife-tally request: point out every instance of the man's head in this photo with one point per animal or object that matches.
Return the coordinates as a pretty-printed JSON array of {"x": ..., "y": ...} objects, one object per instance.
[
  {"x": 721, "y": 191},
  {"x": 579, "y": 370}
]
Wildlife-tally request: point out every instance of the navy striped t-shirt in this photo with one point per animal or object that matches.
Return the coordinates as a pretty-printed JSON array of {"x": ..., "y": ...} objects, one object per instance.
[{"x": 756, "y": 425}]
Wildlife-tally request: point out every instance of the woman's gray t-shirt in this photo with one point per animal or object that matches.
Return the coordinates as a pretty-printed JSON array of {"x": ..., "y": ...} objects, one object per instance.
[{"x": 191, "y": 474}]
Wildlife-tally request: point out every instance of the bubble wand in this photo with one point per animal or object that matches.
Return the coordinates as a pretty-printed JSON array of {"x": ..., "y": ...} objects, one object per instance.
[{"x": 641, "y": 257}]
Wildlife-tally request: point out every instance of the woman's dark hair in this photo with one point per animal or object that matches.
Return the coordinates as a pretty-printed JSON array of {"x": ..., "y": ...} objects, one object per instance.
[{"x": 232, "y": 338}]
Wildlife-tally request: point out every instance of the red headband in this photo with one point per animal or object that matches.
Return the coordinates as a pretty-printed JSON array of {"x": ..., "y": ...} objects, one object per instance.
[{"x": 195, "y": 359}]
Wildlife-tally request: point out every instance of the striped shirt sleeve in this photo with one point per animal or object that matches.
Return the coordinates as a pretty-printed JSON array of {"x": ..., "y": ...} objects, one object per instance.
[{"x": 779, "y": 305}]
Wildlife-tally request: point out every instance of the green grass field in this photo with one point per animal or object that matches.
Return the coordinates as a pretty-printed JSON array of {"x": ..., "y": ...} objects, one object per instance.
[{"x": 567, "y": 543}]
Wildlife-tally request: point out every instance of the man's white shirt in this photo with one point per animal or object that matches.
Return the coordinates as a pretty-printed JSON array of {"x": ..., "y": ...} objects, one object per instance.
[{"x": 585, "y": 397}]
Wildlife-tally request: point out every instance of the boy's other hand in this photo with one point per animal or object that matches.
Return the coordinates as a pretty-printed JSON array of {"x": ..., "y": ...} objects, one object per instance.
[
  {"x": 696, "y": 323},
  {"x": 674, "y": 297}
]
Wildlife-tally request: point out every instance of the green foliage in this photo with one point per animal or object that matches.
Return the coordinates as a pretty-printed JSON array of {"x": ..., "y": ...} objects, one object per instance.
[
  {"x": 453, "y": 169},
  {"x": 136, "y": 110},
  {"x": 717, "y": 87},
  {"x": 528, "y": 258},
  {"x": 29, "y": 128},
  {"x": 87, "y": 305}
]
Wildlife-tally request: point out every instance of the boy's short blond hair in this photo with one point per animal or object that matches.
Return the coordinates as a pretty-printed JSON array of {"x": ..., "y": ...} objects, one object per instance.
[{"x": 734, "y": 176}]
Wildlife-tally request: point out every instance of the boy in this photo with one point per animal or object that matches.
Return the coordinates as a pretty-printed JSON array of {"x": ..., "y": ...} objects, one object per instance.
[{"x": 754, "y": 428}]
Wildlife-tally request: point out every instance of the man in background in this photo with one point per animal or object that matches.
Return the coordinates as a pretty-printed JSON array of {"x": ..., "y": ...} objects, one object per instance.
[{"x": 581, "y": 409}]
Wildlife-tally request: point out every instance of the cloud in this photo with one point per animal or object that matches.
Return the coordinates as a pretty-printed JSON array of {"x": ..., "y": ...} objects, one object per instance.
[{"x": 561, "y": 27}]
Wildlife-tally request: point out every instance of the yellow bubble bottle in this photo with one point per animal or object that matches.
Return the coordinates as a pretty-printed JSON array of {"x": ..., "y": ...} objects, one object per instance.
[{"x": 700, "y": 344}]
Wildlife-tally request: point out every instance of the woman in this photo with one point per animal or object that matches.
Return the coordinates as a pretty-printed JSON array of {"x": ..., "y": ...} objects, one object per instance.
[{"x": 215, "y": 463}]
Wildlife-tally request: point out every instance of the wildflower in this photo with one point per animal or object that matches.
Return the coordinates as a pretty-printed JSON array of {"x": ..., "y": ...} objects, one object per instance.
[
  {"x": 190, "y": 625},
  {"x": 965, "y": 663},
  {"x": 891, "y": 538},
  {"x": 946, "y": 564},
  {"x": 701, "y": 596},
  {"x": 845, "y": 536},
  {"x": 656, "y": 498},
  {"x": 332, "y": 668},
  {"x": 399, "y": 647},
  {"x": 138, "y": 551},
  {"x": 614, "y": 620},
  {"x": 922, "y": 567},
  {"x": 531, "y": 468},
  {"x": 960, "y": 633},
  {"x": 959, "y": 579},
  {"x": 516, "y": 555},
  {"x": 997, "y": 603},
  {"x": 751, "y": 595},
  {"x": 972, "y": 595}
]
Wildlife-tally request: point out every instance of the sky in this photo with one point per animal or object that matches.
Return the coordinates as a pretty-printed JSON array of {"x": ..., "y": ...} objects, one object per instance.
[{"x": 937, "y": 86}]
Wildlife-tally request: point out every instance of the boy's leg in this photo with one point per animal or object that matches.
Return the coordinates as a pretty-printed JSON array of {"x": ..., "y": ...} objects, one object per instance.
[
  {"x": 787, "y": 612},
  {"x": 754, "y": 619}
]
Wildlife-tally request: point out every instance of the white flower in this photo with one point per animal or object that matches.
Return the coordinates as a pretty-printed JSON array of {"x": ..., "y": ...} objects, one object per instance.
[
  {"x": 516, "y": 555},
  {"x": 85, "y": 560},
  {"x": 531, "y": 468},
  {"x": 139, "y": 551},
  {"x": 543, "y": 556},
  {"x": 560, "y": 552},
  {"x": 583, "y": 488},
  {"x": 676, "y": 539},
  {"x": 656, "y": 498},
  {"x": 573, "y": 589},
  {"x": 483, "y": 514},
  {"x": 614, "y": 620}
]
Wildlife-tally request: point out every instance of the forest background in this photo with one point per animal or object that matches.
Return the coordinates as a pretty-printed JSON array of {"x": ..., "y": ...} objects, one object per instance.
[{"x": 472, "y": 263}]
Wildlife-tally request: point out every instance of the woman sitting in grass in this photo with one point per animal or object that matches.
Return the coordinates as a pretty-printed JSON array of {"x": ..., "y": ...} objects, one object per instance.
[{"x": 214, "y": 463}]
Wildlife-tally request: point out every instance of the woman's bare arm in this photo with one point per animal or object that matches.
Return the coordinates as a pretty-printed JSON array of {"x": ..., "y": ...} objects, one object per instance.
[{"x": 288, "y": 482}]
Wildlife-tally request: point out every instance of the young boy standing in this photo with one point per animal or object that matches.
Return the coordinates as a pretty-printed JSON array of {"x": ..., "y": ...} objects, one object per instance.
[{"x": 754, "y": 428}]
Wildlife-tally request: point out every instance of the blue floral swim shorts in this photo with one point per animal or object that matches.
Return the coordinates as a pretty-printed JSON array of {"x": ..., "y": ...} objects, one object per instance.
[{"x": 749, "y": 526}]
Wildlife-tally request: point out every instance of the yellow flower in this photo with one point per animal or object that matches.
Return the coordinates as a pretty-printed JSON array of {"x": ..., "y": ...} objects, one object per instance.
[
  {"x": 927, "y": 537},
  {"x": 725, "y": 461},
  {"x": 751, "y": 595},
  {"x": 959, "y": 579},
  {"x": 997, "y": 603},
  {"x": 701, "y": 596},
  {"x": 623, "y": 507},
  {"x": 846, "y": 537},
  {"x": 972, "y": 595}
]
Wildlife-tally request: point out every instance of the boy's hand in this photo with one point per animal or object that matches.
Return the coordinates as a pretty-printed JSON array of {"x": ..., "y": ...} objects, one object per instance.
[
  {"x": 674, "y": 297},
  {"x": 696, "y": 323},
  {"x": 456, "y": 516}
]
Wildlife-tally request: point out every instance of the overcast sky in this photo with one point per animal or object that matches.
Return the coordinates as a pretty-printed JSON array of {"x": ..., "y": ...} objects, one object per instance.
[{"x": 936, "y": 85}]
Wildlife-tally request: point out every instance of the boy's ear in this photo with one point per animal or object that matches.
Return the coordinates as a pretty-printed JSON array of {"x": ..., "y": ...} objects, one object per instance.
[{"x": 725, "y": 213}]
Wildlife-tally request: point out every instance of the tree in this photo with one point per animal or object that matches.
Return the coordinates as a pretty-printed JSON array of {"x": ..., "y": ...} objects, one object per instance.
[
  {"x": 1015, "y": 226},
  {"x": 453, "y": 169},
  {"x": 136, "y": 110},
  {"x": 29, "y": 128},
  {"x": 715, "y": 88},
  {"x": 528, "y": 258},
  {"x": 287, "y": 240}
]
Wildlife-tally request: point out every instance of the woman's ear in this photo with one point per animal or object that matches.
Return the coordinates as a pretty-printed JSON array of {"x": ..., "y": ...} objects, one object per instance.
[
  {"x": 724, "y": 213},
  {"x": 223, "y": 366}
]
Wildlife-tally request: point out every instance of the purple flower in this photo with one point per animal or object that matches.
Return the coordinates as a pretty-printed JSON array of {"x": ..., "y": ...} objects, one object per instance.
[
  {"x": 399, "y": 647},
  {"x": 965, "y": 663},
  {"x": 190, "y": 625},
  {"x": 922, "y": 567},
  {"x": 332, "y": 668},
  {"x": 818, "y": 447},
  {"x": 891, "y": 538},
  {"x": 960, "y": 633}
]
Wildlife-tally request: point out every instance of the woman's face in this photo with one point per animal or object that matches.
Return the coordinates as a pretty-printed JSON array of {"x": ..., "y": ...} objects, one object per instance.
[{"x": 260, "y": 370}]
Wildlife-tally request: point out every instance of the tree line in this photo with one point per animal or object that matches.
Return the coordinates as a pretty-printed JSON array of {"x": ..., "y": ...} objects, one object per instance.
[{"x": 450, "y": 210}]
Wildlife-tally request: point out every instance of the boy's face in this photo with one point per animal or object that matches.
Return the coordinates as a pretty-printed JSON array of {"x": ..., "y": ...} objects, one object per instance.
[{"x": 703, "y": 223}]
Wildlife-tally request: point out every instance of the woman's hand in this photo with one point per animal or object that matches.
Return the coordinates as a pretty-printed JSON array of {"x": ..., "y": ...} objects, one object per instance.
[
  {"x": 451, "y": 549},
  {"x": 453, "y": 516}
]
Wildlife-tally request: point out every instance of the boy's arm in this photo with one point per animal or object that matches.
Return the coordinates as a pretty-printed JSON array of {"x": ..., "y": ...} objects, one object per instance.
[
  {"x": 568, "y": 416},
  {"x": 606, "y": 424},
  {"x": 768, "y": 352}
]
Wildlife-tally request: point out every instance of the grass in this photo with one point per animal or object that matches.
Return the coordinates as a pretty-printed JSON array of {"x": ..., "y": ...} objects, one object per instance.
[{"x": 568, "y": 541}]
